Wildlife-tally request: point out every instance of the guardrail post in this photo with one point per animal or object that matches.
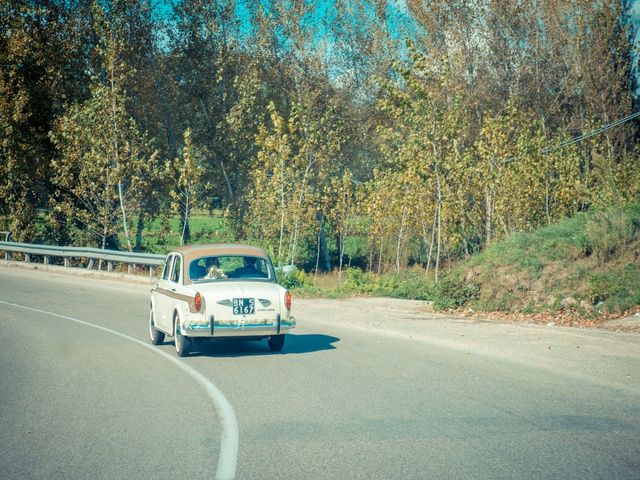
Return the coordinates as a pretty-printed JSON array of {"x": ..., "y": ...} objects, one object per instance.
[
  {"x": 7, "y": 256},
  {"x": 150, "y": 271},
  {"x": 47, "y": 259},
  {"x": 27, "y": 258},
  {"x": 109, "y": 266},
  {"x": 129, "y": 268},
  {"x": 90, "y": 264},
  {"x": 66, "y": 262}
]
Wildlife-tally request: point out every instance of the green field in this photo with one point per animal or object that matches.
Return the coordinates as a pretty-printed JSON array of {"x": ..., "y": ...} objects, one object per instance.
[{"x": 161, "y": 236}]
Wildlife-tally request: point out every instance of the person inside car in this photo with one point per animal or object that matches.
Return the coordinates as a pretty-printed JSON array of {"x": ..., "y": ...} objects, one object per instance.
[
  {"x": 213, "y": 268},
  {"x": 249, "y": 269}
]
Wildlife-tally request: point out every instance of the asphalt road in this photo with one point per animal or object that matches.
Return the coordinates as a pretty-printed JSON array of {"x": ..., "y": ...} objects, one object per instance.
[{"x": 365, "y": 389}]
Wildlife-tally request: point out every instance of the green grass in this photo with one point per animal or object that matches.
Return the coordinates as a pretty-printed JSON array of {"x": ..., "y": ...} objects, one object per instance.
[
  {"x": 618, "y": 288},
  {"x": 160, "y": 236},
  {"x": 408, "y": 284},
  {"x": 587, "y": 263}
]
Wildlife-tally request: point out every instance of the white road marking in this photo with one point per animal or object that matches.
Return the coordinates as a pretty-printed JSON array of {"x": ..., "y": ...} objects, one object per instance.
[{"x": 229, "y": 439}]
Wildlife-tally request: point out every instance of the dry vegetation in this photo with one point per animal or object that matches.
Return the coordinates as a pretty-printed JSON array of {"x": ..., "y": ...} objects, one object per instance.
[
  {"x": 585, "y": 267},
  {"x": 581, "y": 271}
]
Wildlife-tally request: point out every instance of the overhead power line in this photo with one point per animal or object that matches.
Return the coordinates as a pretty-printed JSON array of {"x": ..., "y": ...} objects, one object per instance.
[
  {"x": 566, "y": 143},
  {"x": 584, "y": 136}
]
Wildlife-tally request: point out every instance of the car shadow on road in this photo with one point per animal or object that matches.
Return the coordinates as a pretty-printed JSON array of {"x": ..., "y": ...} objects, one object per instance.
[{"x": 235, "y": 347}]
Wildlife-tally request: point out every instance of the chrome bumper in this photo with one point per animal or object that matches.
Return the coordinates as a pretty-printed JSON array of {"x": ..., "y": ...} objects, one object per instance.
[{"x": 239, "y": 329}]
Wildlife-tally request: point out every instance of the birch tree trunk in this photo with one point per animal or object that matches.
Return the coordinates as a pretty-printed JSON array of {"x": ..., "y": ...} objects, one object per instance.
[
  {"x": 322, "y": 239},
  {"x": 341, "y": 253},
  {"x": 124, "y": 217},
  {"x": 104, "y": 245},
  {"x": 117, "y": 159},
  {"x": 488, "y": 215},
  {"x": 298, "y": 218},
  {"x": 281, "y": 210},
  {"x": 226, "y": 179},
  {"x": 400, "y": 238},
  {"x": 433, "y": 238},
  {"x": 438, "y": 186},
  {"x": 317, "y": 256},
  {"x": 185, "y": 219}
]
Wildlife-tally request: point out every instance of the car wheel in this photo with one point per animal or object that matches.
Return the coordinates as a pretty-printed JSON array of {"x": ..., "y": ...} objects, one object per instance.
[
  {"x": 276, "y": 342},
  {"x": 155, "y": 335},
  {"x": 183, "y": 344}
]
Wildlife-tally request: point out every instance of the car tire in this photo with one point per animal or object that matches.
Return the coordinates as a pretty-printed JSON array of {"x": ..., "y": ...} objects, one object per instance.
[
  {"x": 276, "y": 342},
  {"x": 182, "y": 343},
  {"x": 155, "y": 335}
]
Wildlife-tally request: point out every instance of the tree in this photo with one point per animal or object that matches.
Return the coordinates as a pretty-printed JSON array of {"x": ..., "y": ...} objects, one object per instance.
[
  {"x": 41, "y": 68},
  {"x": 273, "y": 186},
  {"x": 343, "y": 209},
  {"x": 187, "y": 172},
  {"x": 104, "y": 162},
  {"x": 421, "y": 141},
  {"x": 295, "y": 162}
]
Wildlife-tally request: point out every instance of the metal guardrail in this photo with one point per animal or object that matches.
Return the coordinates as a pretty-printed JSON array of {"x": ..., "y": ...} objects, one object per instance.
[{"x": 110, "y": 257}]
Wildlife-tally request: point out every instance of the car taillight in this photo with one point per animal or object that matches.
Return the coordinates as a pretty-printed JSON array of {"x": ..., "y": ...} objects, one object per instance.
[
  {"x": 287, "y": 300},
  {"x": 197, "y": 301}
]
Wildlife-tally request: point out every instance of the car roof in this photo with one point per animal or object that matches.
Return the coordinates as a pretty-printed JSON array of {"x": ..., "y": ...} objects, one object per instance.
[{"x": 191, "y": 252}]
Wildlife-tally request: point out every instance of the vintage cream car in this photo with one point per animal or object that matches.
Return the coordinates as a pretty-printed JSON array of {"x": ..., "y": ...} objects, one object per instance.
[{"x": 218, "y": 290}]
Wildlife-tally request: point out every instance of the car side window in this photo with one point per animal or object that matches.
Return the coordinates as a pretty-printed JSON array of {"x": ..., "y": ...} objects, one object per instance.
[
  {"x": 167, "y": 267},
  {"x": 175, "y": 273}
]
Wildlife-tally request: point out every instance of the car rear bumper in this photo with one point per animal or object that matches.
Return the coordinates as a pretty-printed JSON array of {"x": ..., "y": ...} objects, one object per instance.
[{"x": 237, "y": 329}]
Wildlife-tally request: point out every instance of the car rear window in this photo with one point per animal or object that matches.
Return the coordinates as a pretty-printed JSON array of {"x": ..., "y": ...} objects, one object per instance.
[{"x": 229, "y": 267}]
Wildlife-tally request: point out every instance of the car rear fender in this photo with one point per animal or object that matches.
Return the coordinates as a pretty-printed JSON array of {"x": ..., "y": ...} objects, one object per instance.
[
  {"x": 152, "y": 304},
  {"x": 179, "y": 314}
]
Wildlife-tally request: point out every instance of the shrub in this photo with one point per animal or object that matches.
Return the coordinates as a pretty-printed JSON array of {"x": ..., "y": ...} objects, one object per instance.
[
  {"x": 602, "y": 286},
  {"x": 293, "y": 279},
  {"x": 453, "y": 292},
  {"x": 359, "y": 281},
  {"x": 608, "y": 232},
  {"x": 618, "y": 289},
  {"x": 413, "y": 285}
]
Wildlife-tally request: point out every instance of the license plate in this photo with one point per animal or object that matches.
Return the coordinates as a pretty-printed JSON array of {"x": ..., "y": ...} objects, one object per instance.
[{"x": 244, "y": 306}]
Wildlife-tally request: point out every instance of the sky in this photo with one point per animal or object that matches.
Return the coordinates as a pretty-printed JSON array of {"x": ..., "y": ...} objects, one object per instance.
[{"x": 399, "y": 23}]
